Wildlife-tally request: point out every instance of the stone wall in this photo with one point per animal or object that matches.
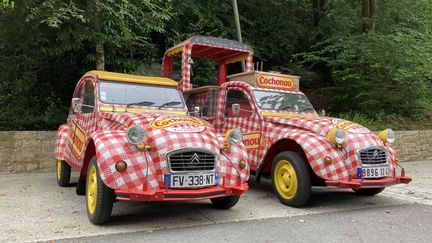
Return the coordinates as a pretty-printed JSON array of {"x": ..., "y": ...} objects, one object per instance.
[
  {"x": 27, "y": 151},
  {"x": 33, "y": 151}
]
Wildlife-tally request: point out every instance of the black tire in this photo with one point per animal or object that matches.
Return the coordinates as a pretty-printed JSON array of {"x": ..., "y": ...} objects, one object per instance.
[
  {"x": 303, "y": 191},
  {"x": 63, "y": 173},
  {"x": 368, "y": 191},
  {"x": 104, "y": 197},
  {"x": 224, "y": 202}
]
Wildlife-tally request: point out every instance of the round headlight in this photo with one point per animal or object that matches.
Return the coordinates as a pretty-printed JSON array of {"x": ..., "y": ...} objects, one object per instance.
[
  {"x": 337, "y": 135},
  {"x": 387, "y": 136},
  {"x": 234, "y": 136},
  {"x": 135, "y": 134}
]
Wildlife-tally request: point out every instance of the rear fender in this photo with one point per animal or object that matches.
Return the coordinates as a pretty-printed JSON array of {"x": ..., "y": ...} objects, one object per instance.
[{"x": 61, "y": 143}]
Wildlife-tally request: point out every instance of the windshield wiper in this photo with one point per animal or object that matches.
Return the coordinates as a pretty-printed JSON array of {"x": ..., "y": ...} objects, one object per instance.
[
  {"x": 171, "y": 103},
  {"x": 145, "y": 103}
]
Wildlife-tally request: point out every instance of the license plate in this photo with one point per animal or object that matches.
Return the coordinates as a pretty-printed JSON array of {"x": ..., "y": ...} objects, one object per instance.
[
  {"x": 191, "y": 180},
  {"x": 375, "y": 172}
]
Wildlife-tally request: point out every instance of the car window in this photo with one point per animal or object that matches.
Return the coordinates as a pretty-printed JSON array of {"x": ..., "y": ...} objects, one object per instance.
[
  {"x": 237, "y": 97},
  {"x": 139, "y": 94},
  {"x": 206, "y": 101},
  {"x": 88, "y": 98},
  {"x": 77, "y": 94}
]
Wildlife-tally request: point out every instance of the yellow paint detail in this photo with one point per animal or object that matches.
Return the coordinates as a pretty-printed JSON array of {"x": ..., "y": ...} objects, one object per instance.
[
  {"x": 252, "y": 140},
  {"x": 79, "y": 141},
  {"x": 140, "y": 110},
  {"x": 58, "y": 170},
  {"x": 347, "y": 125},
  {"x": 236, "y": 59},
  {"x": 121, "y": 77},
  {"x": 285, "y": 179},
  {"x": 175, "y": 51},
  {"x": 278, "y": 114},
  {"x": 171, "y": 121},
  {"x": 91, "y": 189},
  {"x": 71, "y": 131},
  {"x": 331, "y": 135}
]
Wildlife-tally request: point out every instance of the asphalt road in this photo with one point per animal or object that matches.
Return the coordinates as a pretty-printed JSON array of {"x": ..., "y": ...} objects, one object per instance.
[
  {"x": 34, "y": 208},
  {"x": 405, "y": 223}
]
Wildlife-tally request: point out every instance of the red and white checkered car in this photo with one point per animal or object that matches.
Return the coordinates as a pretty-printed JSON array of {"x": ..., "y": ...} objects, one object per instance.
[
  {"x": 287, "y": 140},
  {"x": 130, "y": 138}
]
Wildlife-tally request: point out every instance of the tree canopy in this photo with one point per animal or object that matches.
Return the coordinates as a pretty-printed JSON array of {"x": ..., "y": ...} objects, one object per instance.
[{"x": 368, "y": 60}]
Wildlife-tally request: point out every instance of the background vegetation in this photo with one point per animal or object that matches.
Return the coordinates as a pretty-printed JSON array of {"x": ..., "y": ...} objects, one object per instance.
[{"x": 365, "y": 60}]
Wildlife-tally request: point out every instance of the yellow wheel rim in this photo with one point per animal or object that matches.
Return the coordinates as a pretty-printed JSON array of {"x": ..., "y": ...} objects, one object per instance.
[
  {"x": 58, "y": 170},
  {"x": 91, "y": 189},
  {"x": 285, "y": 179}
]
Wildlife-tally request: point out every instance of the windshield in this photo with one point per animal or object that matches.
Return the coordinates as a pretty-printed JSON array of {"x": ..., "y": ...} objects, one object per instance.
[
  {"x": 282, "y": 101},
  {"x": 139, "y": 95}
]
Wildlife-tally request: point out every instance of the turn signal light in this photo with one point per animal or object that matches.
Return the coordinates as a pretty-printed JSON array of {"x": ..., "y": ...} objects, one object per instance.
[
  {"x": 121, "y": 166},
  {"x": 327, "y": 160},
  {"x": 242, "y": 164}
]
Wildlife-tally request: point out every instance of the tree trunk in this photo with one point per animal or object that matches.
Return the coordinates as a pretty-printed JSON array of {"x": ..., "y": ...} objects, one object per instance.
[
  {"x": 100, "y": 56},
  {"x": 368, "y": 14},
  {"x": 318, "y": 7}
]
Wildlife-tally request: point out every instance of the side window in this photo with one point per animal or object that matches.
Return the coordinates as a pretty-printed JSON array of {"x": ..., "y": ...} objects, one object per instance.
[
  {"x": 77, "y": 94},
  {"x": 240, "y": 98},
  {"x": 207, "y": 101},
  {"x": 88, "y": 98}
]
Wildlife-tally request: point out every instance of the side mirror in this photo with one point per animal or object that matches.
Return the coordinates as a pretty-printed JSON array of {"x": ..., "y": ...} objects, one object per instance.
[
  {"x": 196, "y": 111},
  {"x": 235, "y": 109},
  {"x": 76, "y": 105}
]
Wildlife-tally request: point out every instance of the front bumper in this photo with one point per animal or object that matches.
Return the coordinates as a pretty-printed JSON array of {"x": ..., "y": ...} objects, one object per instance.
[
  {"x": 368, "y": 183},
  {"x": 181, "y": 194}
]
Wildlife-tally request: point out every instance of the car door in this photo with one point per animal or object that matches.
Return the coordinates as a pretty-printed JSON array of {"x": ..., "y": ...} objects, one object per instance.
[
  {"x": 239, "y": 112},
  {"x": 72, "y": 120},
  {"x": 85, "y": 119}
]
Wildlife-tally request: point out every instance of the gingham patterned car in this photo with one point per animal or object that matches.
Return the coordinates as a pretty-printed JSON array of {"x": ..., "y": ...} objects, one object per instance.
[
  {"x": 284, "y": 136},
  {"x": 131, "y": 138}
]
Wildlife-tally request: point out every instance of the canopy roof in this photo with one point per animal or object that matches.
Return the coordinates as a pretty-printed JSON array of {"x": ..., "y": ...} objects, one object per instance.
[{"x": 213, "y": 48}]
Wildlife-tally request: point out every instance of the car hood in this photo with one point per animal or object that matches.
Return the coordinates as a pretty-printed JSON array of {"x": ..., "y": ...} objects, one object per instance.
[
  {"x": 322, "y": 125},
  {"x": 175, "y": 130}
]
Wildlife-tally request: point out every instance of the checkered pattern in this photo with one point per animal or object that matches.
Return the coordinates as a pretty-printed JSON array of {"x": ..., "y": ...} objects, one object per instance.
[
  {"x": 187, "y": 46},
  {"x": 61, "y": 143},
  {"x": 146, "y": 169},
  {"x": 309, "y": 132}
]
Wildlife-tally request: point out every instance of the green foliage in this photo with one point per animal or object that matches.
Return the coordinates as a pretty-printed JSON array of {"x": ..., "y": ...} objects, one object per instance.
[{"x": 381, "y": 78}]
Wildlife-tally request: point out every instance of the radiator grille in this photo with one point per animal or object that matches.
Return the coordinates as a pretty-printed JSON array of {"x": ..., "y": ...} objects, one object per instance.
[
  {"x": 191, "y": 160},
  {"x": 373, "y": 156}
]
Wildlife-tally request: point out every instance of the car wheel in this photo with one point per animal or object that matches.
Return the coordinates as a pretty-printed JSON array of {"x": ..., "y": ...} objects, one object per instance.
[
  {"x": 291, "y": 179},
  {"x": 225, "y": 202},
  {"x": 368, "y": 191},
  {"x": 63, "y": 173},
  {"x": 99, "y": 197}
]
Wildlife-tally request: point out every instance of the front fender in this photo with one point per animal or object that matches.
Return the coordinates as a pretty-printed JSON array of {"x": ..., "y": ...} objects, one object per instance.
[
  {"x": 61, "y": 143},
  {"x": 230, "y": 162},
  {"x": 111, "y": 147},
  {"x": 316, "y": 147}
]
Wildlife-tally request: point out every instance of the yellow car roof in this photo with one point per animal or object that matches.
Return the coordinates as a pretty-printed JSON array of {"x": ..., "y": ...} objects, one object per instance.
[{"x": 121, "y": 77}]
